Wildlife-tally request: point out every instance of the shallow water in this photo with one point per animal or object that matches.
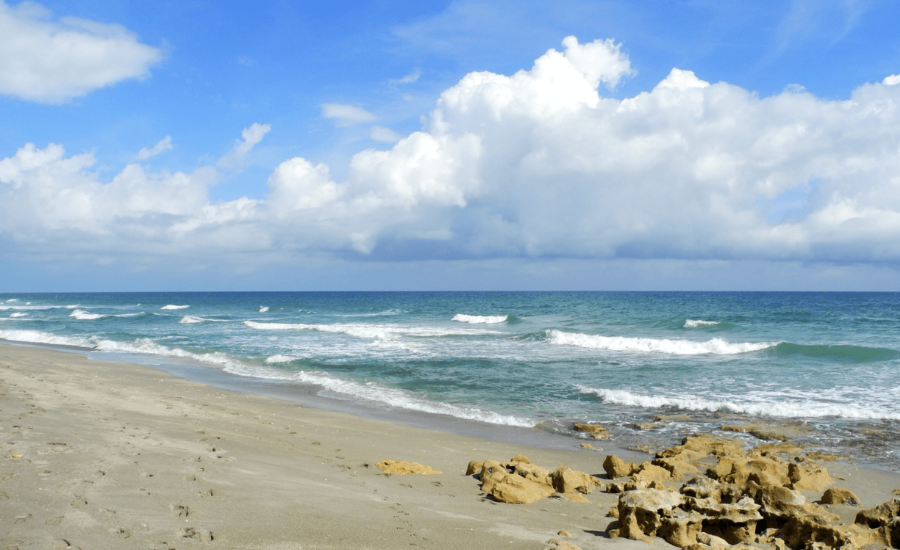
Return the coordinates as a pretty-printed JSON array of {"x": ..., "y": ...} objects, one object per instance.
[{"x": 827, "y": 363}]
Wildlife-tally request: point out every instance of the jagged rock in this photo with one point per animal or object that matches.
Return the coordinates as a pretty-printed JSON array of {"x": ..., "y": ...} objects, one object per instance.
[
  {"x": 733, "y": 522},
  {"x": 404, "y": 468},
  {"x": 780, "y": 503},
  {"x": 677, "y": 466},
  {"x": 648, "y": 473},
  {"x": 532, "y": 472},
  {"x": 812, "y": 528},
  {"x": 474, "y": 467},
  {"x": 515, "y": 489},
  {"x": 765, "y": 471},
  {"x": 616, "y": 467},
  {"x": 566, "y": 480},
  {"x": 680, "y": 527},
  {"x": 840, "y": 496},
  {"x": 808, "y": 477},
  {"x": 641, "y": 512},
  {"x": 881, "y": 515},
  {"x": 628, "y": 528},
  {"x": 702, "y": 487}
]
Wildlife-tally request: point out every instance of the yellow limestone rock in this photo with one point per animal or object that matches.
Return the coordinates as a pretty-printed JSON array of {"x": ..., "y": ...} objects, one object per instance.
[
  {"x": 474, "y": 467},
  {"x": 566, "y": 480},
  {"x": 840, "y": 496},
  {"x": 809, "y": 476},
  {"x": 520, "y": 458},
  {"x": 404, "y": 468},
  {"x": 616, "y": 467},
  {"x": 649, "y": 473},
  {"x": 515, "y": 489}
]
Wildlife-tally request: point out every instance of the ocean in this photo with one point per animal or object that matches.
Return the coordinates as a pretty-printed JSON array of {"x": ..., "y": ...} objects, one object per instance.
[{"x": 651, "y": 367}]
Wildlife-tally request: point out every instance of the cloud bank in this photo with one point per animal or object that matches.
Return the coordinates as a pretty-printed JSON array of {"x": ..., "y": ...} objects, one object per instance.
[
  {"x": 51, "y": 61},
  {"x": 539, "y": 164}
]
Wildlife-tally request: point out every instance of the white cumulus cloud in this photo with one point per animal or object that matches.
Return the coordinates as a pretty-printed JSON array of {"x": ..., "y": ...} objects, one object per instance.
[
  {"x": 51, "y": 61},
  {"x": 250, "y": 136},
  {"x": 538, "y": 164},
  {"x": 346, "y": 115},
  {"x": 163, "y": 145}
]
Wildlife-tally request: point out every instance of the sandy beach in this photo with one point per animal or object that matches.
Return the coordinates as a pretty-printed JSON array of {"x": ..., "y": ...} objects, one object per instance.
[{"x": 111, "y": 455}]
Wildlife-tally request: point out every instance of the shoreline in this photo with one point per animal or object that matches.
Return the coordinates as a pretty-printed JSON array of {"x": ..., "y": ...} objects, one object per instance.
[{"x": 115, "y": 455}]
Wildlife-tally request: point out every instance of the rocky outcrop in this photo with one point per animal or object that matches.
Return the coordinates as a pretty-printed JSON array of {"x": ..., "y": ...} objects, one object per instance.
[
  {"x": 521, "y": 482},
  {"x": 749, "y": 499},
  {"x": 594, "y": 430}
]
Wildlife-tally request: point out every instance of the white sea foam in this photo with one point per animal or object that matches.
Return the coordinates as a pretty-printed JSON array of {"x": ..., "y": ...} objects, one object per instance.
[
  {"x": 376, "y": 332},
  {"x": 480, "y": 319},
  {"x": 192, "y": 320},
  {"x": 170, "y": 306},
  {"x": 37, "y": 337},
  {"x": 276, "y": 359},
  {"x": 716, "y": 346},
  {"x": 263, "y": 309},
  {"x": 17, "y": 315},
  {"x": 759, "y": 407},
  {"x": 694, "y": 323},
  {"x": 82, "y": 315},
  {"x": 28, "y": 307},
  {"x": 11, "y": 300}
]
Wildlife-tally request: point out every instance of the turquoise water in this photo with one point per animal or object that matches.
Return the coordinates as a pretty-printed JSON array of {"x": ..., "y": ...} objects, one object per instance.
[{"x": 827, "y": 362}]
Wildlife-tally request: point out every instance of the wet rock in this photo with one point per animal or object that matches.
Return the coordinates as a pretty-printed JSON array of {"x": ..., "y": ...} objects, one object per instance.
[
  {"x": 404, "y": 468},
  {"x": 594, "y": 430},
  {"x": 840, "y": 496}
]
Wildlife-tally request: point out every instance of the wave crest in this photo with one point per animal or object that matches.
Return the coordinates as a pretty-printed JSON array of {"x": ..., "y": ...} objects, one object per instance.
[
  {"x": 480, "y": 319},
  {"x": 694, "y": 323},
  {"x": 171, "y": 306},
  {"x": 716, "y": 346},
  {"x": 806, "y": 409}
]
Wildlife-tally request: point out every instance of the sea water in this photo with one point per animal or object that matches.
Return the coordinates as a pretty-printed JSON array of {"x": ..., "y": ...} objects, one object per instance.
[{"x": 652, "y": 367}]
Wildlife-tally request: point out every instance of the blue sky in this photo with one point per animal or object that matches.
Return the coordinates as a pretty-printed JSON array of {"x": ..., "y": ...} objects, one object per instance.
[{"x": 388, "y": 145}]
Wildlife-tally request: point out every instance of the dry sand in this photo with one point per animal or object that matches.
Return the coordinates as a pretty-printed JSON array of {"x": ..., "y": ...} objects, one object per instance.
[{"x": 110, "y": 455}]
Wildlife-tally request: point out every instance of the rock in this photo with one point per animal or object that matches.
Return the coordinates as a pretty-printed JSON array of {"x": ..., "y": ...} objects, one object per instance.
[
  {"x": 648, "y": 472},
  {"x": 641, "y": 512},
  {"x": 566, "y": 480},
  {"x": 594, "y": 430},
  {"x": 404, "y": 468},
  {"x": 840, "y": 496},
  {"x": 801, "y": 529},
  {"x": 564, "y": 534},
  {"x": 702, "y": 487},
  {"x": 574, "y": 497},
  {"x": 616, "y": 467},
  {"x": 808, "y": 477},
  {"x": 520, "y": 458},
  {"x": 514, "y": 489},
  {"x": 733, "y": 522},
  {"x": 677, "y": 466},
  {"x": 613, "y": 513},
  {"x": 767, "y": 471},
  {"x": 474, "y": 467},
  {"x": 712, "y": 541},
  {"x": 780, "y": 503},
  {"x": 489, "y": 467},
  {"x": 680, "y": 527},
  {"x": 881, "y": 515}
]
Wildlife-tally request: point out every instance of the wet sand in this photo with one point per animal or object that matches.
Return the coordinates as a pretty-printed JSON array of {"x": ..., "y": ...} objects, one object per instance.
[{"x": 112, "y": 455}]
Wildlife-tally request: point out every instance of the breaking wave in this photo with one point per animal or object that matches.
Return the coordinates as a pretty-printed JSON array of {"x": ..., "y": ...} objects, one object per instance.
[
  {"x": 716, "y": 346},
  {"x": 192, "y": 320},
  {"x": 805, "y": 409},
  {"x": 263, "y": 309},
  {"x": 480, "y": 319},
  {"x": 38, "y": 337},
  {"x": 170, "y": 306},
  {"x": 376, "y": 332},
  {"x": 17, "y": 315},
  {"x": 82, "y": 315}
]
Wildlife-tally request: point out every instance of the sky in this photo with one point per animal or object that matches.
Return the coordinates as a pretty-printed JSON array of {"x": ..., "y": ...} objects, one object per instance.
[{"x": 456, "y": 145}]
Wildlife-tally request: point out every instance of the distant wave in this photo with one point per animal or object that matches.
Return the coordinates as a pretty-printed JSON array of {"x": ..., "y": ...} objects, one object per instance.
[
  {"x": 170, "y": 306},
  {"x": 850, "y": 353},
  {"x": 480, "y": 319},
  {"x": 360, "y": 330},
  {"x": 716, "y": 346},
  {"x": 694, "y": 323},
  {"x": 17, "y": 314},
  {"x": 765, "y": 408},
  {"x": 277, "y": 359},
  {"x": 263, "y": 309},
  {"x": 28, "y": 307},
  {"x": 375, "y": 314},
  {"x": 82, "y": 315},
  {"x": 192, "y": 320}
]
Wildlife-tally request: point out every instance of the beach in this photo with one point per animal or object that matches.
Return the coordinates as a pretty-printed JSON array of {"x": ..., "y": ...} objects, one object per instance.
[{"x": 112, "y": 455}]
